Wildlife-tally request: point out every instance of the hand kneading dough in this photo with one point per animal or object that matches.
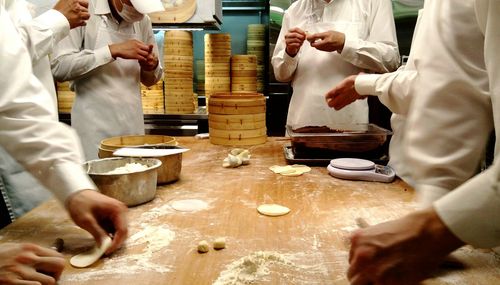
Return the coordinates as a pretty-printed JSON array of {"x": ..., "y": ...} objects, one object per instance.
[
  {"x": 203, "y": 246},
  {"x": 273, "y": 210},
  {"x": 89, "y": 257},
  {"x": 220, "y": 243}
]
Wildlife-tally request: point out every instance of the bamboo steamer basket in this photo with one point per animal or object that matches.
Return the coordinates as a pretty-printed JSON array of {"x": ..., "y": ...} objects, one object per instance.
[
  {"x": 177, "y": 13},
  {"x": 109, "y": 145},
  {"x": 217, "y": 64},
  {"x": 65, "y": 97},
  {"x": 237, "y": 119},
  {"x": 179, "y": 72}
]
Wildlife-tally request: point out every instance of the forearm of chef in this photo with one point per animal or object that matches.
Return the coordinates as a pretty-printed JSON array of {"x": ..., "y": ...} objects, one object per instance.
[
  {"x": 284, "y": 66},
  {"x": 381, "y": 57},
  {"x": 78, "y": 64},
  {"x": 149, "y": 78},
  {"x": 67, "y": 178},
  {"x": 43, "y": 32},
  {"x": 471, "y": 211},
  {"x": 393, "y": 89}
]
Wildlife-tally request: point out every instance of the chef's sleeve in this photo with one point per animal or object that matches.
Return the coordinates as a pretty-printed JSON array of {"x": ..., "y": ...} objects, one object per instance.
[
  {"x": 48, "y": 149},
  {"x": 284, "y": 66},
  {"x": 70, "y": 61},
  {"x": 42, "y": 33},
  {"x": 379, "y": 52},
  {"x": 149, "y": 78}
]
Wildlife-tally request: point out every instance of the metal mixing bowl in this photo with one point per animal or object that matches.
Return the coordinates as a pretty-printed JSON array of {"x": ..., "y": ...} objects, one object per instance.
[{"x": 132, "y": 188}]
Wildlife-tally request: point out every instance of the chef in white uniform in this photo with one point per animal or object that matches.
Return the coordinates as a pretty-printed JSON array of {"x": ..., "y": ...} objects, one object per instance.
[
  {"x": 393, "y": 89},
  {"x": 51, "y": 152},
  {"x": 40, "y": 35},
  {"x": 344, "y": 37},
  {"x": 460, "y": 69},
  {"x": 107, "y": 59}
]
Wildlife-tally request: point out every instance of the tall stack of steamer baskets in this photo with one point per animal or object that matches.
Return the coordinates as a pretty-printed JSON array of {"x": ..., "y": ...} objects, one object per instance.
[
  {"x": 217, "y": 65},
  {"x": 153, "y": 101},
  {"x": 178, "y": 66},
  {"x": 256, "y": 45},
  {"x": 65, "y": 97}
]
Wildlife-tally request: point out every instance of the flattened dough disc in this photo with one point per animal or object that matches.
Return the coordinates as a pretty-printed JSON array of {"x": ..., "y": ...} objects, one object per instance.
[
  {"x": 273, "y": 210},
  {"x": 352, "y": 164},
  {"x": 87, "y": 258}
]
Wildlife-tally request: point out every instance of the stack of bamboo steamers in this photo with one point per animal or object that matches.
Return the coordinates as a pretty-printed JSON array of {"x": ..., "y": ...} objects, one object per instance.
[
  {"x": 65, "y": 97},
  {"x": 178, "y": 65},
  {"x": 237, "y": 118}
]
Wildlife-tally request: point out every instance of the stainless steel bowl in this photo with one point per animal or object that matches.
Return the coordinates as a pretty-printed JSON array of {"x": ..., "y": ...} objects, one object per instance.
[{"x": 132, "y": 188}]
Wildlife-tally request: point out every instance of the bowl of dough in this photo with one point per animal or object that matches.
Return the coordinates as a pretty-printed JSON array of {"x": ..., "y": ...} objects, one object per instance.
[{"x": 127, "y": 179}]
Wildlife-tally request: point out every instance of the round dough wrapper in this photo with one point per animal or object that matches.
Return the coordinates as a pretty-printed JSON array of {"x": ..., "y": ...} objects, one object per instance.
[
  {"x": 279, "y": 169},
  {"x": 292, "y": 172},
  {"x": 273, "y": 210},
  {"x": 301, "y": 168},
  {"x": 88, "y": 258}
]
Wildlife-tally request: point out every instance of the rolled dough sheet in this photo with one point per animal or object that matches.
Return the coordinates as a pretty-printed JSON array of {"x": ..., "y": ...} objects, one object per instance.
[
  {"x": 189, "y": 205},
  {"x": 88, "y": 258},
  {"x": 272, "y": 210}
]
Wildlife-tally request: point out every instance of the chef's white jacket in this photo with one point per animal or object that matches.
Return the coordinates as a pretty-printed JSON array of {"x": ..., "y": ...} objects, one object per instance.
[
  {"x": 40, "y": 35},
  {"x": 108, "y": 98},
  {"x": 452, "y": 115},
  {"x": 48, "y": 149},
  {"x": 394, "y": 91},
  {"x": 370, "y": 44}
]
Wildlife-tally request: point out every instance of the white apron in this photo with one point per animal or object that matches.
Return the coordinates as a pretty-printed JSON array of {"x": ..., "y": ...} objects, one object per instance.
[
  {"x": 319, "y": 71},
  {"x": 108, "y": 106}
]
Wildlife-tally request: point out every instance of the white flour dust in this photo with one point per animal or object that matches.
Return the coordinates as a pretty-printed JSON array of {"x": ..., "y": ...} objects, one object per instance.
[
  {"x": 189, "y": 205},
  {"x": 255, "y": 267},
  {"x": 155, "y": 238}
]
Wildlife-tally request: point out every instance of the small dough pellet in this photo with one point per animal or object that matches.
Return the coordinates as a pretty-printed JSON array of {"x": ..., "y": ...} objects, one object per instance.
[
  {"x": 203, "y": 246},
  {"x": 220, "y": 243}
]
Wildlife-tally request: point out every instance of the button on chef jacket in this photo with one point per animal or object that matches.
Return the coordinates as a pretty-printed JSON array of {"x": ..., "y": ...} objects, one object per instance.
[
  {"x": 48, "y": 149},
  {"x": 370, "y": 45},
  {"x": 108, "y": 99}
]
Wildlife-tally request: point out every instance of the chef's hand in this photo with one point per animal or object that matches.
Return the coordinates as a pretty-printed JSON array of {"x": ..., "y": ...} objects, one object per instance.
[
  {"x": 151, "y": 61},
  {"x": 294, "y": 40},
  {"x": 131, "y": 49},
  {"x": 100, "y": 215},
  {"x": 76, "y": 11},
  {"x": 343, "y": 94},
  {"x": 403, "y": 251},
  {"x": 25, "y": 263},
  {"x": 327, "y": 41}
]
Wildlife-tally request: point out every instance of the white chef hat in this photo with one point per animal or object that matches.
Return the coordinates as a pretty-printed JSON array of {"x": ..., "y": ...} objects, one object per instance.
[{"x": 147, "y": 6}]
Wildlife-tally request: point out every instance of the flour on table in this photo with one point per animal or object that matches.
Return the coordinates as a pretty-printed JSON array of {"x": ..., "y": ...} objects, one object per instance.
[
  {"x": 156, "y": 238},
  {"x": 189, "y": 205},
  {"x": 251, "y": 268}
]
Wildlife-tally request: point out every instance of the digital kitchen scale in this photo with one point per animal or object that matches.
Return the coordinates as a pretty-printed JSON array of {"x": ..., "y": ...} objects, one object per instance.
[{"x": 360, "y": 169}]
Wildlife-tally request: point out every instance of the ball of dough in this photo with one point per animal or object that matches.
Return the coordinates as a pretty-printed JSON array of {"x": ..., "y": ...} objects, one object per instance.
[
  {"x": 203, "y": 246},
  {"x": 220, "y": 243}
]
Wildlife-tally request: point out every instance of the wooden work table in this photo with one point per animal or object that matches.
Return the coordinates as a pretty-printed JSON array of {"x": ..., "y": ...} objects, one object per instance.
[{"x": 306, "y": 246}]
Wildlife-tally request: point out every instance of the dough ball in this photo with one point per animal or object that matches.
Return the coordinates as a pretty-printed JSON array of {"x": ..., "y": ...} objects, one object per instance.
[
  {"x": 220, "y": 243},
  {"x": 231, "y": 161},
  {"x": 273, "y": 210},
  {"x": 203, "y": 246}
]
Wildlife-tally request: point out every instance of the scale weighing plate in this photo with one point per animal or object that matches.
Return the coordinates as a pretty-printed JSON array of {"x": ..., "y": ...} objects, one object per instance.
[{"x": 360, "y": 169}]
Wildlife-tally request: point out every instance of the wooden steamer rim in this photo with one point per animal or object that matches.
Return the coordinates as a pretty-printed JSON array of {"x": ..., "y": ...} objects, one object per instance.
[{"x": 179, "y": 14}]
